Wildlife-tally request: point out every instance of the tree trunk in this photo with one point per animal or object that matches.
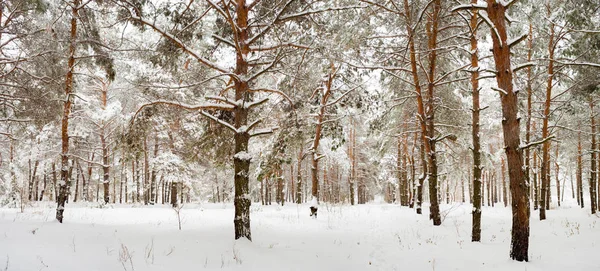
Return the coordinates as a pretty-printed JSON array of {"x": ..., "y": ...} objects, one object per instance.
[
  {"x": 557, "y": 170},
  {"x": 421, "y": 180},
  {"x": 174, "y": 194},
  {"x": 241, "y": 166},
  {"x": 63, "y": 192},
  {"x": 545, "y": 133},
  {"x": 352, "y": 154},
  {"x": 79, "y": 173},
  {"x": 299, "y": 176},
  {"x": 153, "y": 186},
  {"x": 510, "y": 126},
  {"x": 146, "y": 180},
  {"x": 105, "y": 168},
  {"x": 529, "y": 106},
  {"x": 593, "y": 159},
  {"x": 89, "y": 179},
  {"x": 504, "y": 190},
  {"x": 476, "y": 196}
]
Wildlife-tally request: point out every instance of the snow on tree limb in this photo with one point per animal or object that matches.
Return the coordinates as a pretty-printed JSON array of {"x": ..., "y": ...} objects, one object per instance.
[
  {"x": 278, "y": 46},
  {"x": 227, "y": 125},
  {"x": 507, "y": 4},
  {"x": 589, "y": 64},
  {"x": 205, "y": 106},
  {"x": 535, "y": 143},
  {"x": 516, "y": 41},
  {"x": 316, "y": 11},
  {"x": 523, "y": 66},
  {"x": 481, "y": 6},
  {"x": 276, "y": 91},
  {"x": 256, "y": 103},
  {"x": 223, "y": 99},
  {"x": 487, "y": 20},
  {"x": 181, "y": 45},
  {"x": 264, "y": 131},
  {"x": 499, "y": 90}
]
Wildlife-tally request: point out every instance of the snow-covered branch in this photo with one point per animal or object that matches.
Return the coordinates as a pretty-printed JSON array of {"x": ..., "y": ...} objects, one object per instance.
[
  {"x": 227, "y": 125},
  {"x": 205, "y": 106},
  {"x": 535, "y": 143},
  {"x": 180, "y": 44}
]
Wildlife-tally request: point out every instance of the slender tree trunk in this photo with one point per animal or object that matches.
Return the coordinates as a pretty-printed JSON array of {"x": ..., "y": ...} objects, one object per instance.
[
  {"x": 89, "y": 182},
  {"x": 476, "y": 195},
  {"x": 504, "y": 187},
  {"x": 510, "y": 126},
  {"x": 45, "y": 186},
  {"x": 153, "y": 186},
  {"x": 529, "y": 106},
  {"x": 430, "y": 146},
  {"x": 545, "y": 133},
  {"x": 79, "y": 173},
  {"x": 146, "y": 180},
  {"x": 421, "y": 180},
  {"x": 536, "y": 202},
  {"x": 593, "y": 159},
  {"x": 299, "y": 176},
  {"x": 63, "y": 185},
  {"x": 105, "y": 167},
  {"x": 557, "y": 170},
  {"x": 352, "y": 177}
]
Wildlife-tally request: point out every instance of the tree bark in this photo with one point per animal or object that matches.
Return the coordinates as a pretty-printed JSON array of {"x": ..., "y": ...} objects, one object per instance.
[
  {"x": 510, "y": 126},
  {"x": 545, "y": 133},
  {"x": 593, "y": 158},
  {"x": 529, "y": 106},
  {"x": 476, "y": 196},
  {"x": 63, "y": 192},
  {"x": 241, "y": 166}
]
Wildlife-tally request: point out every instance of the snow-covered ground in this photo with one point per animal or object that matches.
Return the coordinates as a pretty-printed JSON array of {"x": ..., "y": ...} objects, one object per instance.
[{"x": 368, "y": 237}]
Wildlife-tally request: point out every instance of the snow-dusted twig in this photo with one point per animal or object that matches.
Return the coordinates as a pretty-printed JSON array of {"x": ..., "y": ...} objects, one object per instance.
[
  {"x": 499, "y": 90},
  {"x": 180, "y": 44},
  {"x": 227, "y": 125},
  {"x": 535, "y": 143}
]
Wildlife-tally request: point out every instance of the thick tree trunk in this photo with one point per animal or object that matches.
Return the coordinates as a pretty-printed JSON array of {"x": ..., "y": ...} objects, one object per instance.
[
  {"x": 510, "y": 126},
  {"x": 63, "y": 192},
  {"x": 241, "y": 166}
]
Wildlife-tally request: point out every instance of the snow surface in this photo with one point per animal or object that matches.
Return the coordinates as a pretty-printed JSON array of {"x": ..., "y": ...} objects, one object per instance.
[{"x": 368, "y": 237}]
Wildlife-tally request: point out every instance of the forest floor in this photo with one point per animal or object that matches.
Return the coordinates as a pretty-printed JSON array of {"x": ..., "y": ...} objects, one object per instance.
[{"x": 367, "y": 237}]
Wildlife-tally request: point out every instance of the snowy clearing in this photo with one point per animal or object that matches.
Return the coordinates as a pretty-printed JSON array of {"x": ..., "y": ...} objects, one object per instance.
[{"x": 367, "y": 237}]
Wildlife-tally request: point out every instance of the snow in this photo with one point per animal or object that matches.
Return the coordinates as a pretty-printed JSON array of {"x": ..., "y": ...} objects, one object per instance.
[
  {"x": 366, "y": 237},
  {"x": 244, "y": 156}
]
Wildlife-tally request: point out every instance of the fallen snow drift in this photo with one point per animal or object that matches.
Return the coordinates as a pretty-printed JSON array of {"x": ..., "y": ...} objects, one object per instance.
[{"x": 368, "y": 237}]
